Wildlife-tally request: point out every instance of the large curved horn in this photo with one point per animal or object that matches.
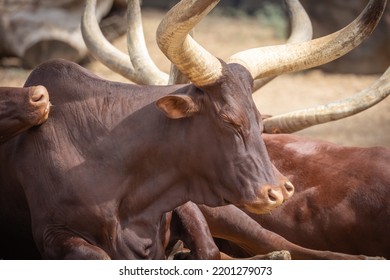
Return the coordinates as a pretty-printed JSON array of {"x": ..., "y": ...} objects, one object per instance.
[
  {"x": 175, "y": 75},
  {"x": 113, "y": 58},
  {"x": 197, "y": 64},
  {"x": 298, "y": 120},
  {"x": 139, "y": 55},
  {"x": 301, "y": 31},
  {"x": 276, "y": 60},
  {"x": 301, "y": 27}
]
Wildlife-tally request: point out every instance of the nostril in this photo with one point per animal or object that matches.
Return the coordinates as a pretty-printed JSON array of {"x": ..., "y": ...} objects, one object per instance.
[
  {"x": 272, "y": 195},
  {"x": 289, "y": 187},
  {"x": 38, "y": 94},
  {"x": 36, "y": 97}
]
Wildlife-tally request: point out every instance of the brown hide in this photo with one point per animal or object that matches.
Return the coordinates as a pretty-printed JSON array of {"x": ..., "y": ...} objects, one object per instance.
[
  {"x": 99, "y": 175},
  {"x": 189, "y": 226},
  {"x": 21, "y": 108},
  {"x": 342, "y": 196},
  {"x": 238, "y": 235}
]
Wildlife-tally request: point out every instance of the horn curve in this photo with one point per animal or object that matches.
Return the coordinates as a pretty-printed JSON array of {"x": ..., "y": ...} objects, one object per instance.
[
  {"x": 301, "y": 31},
  {"x": 139, "y": 55},
  {"x": 301, "y": 119},
  {"x": 276, "y": 60},
  {"x": 301, "y": 27},
  {"x": 196, "y": 63},
  {"x": 113, "y": 58}
]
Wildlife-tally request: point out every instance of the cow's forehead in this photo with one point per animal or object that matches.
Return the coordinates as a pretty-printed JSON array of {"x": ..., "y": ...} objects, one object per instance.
[{"x": 235, "y": 86}]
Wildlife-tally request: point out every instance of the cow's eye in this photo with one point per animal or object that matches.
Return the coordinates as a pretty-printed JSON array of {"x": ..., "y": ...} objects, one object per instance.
[{"x": 235, "y": 125}]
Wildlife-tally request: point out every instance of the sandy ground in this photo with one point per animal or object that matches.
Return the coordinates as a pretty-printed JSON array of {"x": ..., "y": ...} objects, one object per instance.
[{"x": 225, "y": 36}]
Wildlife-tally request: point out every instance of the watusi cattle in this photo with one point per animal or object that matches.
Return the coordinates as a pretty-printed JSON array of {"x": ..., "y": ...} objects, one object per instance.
[
  {"x": 339, "y": 209},
  {"x": 233, "y": 224},
  {"x": 99, "y": 158},
  {"x": 96, "y": 157}
]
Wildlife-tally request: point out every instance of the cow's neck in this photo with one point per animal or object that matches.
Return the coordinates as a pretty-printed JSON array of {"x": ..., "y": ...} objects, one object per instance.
[{"x": 130, "y": 163}]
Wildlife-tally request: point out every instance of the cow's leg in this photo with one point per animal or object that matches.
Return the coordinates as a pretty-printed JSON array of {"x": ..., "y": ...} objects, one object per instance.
[
  {"x": 230, "y": 223},
  {"x": 189, "y": 225},
  {"x": 67, "y": 246}
]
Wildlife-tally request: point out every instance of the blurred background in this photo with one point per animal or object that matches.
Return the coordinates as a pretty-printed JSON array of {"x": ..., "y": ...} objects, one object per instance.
[
  {"x": 36, "y": 30},
  {"x": 33, "y": 31}
]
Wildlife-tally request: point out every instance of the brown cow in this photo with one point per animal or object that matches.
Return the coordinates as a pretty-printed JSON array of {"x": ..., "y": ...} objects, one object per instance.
[
  {"x": 233, "y": 224},
  {"x": 22, "y": 108},
  {"x": 96, "y": 158},
  {"x": 340, "y": 202},
  {"x": 100, "y": 127}
]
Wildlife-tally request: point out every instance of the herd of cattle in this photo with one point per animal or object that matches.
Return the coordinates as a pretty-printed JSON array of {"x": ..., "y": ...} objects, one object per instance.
[{"x": 108, "y": 170}]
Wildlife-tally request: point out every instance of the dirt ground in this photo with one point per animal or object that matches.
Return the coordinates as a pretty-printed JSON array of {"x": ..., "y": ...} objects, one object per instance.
[{"x": 224, "y": 36}]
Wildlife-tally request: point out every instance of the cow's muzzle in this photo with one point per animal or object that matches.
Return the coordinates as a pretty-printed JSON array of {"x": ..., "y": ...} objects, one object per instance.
[
  {"x": 269, "y": 197},
  {"x": 39, "y": 100}
]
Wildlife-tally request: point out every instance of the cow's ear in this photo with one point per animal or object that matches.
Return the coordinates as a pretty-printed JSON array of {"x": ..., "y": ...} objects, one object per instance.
[{"x": 178, "y": 106}]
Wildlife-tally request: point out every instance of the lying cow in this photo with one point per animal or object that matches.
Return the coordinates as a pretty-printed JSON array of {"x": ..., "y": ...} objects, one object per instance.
[
  {"x": 93, "y": 191},
  {"x": 22, "y": 108},
  {"x": 342, "y": 199},
  {"x": 249, "y": 237},
  {"x": 93, "y": 176},
  {"x": 96, "y": 158}
]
